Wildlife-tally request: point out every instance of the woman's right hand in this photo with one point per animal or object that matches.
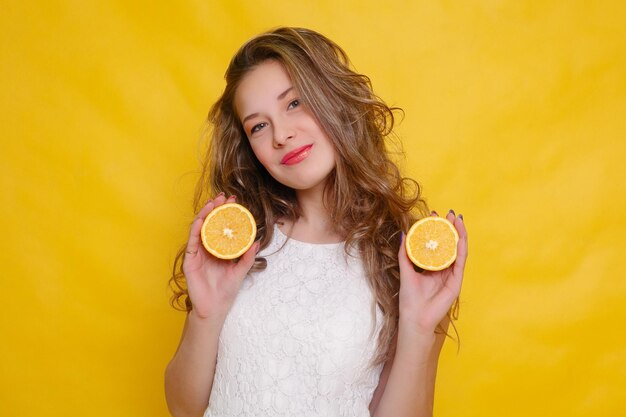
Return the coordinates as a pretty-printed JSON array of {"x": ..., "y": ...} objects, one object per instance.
[{"x": 213, "y": 283}]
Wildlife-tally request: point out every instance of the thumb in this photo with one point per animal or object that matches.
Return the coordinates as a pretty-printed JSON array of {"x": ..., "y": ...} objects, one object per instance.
[
  {"x": 405, "y": 264},
  {"x": 247, "y": 259}
]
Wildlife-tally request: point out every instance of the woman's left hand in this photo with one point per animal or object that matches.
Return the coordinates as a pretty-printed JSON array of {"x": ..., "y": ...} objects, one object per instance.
[{"x": 426, "y": 297}]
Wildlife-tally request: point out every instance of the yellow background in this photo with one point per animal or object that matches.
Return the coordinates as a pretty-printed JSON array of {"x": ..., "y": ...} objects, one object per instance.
[{"x": 515, "y": 116}]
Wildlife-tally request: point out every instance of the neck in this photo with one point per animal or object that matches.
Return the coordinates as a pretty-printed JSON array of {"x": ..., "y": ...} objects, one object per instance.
[
  {"x": 314, "y": 225},
  {"x": 314, "y": 213}
]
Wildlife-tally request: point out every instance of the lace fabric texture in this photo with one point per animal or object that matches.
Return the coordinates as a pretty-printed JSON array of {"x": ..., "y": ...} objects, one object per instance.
[{"x": 300, "y": 337}]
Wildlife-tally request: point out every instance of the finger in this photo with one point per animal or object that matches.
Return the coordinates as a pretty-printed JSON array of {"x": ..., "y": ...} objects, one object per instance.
[
  {"x": 204, "y": 211},
  {"x": 455, "y": 280},
  {"x": 457, "y": 221},
  {"x": 434, "y": 213},
  {"x": 210, "y": 205},
  {"x": 462, "y": 247},
  {"x": 219, "y": 199},
  {"x": 193, "y": 243}
]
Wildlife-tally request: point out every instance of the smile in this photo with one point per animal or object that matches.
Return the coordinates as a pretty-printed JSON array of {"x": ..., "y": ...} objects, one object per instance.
[{"x": 297, "y": 155}]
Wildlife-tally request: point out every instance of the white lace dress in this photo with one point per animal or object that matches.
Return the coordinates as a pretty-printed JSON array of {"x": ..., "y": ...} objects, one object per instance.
[{"x": 299, "y": 338}]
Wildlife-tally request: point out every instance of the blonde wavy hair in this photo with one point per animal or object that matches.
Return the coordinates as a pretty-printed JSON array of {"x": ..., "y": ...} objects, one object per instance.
[{"x": 369, "y": 201}]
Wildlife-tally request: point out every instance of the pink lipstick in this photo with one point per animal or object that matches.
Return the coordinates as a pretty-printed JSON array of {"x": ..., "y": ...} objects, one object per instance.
[{"x": 296, "y": 156}]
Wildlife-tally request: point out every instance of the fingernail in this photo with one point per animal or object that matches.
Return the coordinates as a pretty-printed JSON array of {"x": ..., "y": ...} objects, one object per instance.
[
  {"x": 461, "y": 217},
  {"x": 453, "y": 213},
  {"x": 221, "y": 194},
  {"x": 234, "y": 197},
  {"x": 434, "y": 213},
  {"x": 209, "y": 201}
]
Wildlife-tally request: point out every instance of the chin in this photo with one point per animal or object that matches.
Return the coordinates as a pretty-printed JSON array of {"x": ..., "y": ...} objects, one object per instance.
[{"x": 303, "y": 180}]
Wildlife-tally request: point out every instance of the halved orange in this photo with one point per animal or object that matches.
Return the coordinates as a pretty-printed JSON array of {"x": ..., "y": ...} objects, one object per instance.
[
  {"x": 431, "y": 243},
  {"x": 228, "y": 231}
]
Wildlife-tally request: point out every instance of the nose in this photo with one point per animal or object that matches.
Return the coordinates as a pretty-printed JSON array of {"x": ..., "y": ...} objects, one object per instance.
[{"x": 282, "y": 133}]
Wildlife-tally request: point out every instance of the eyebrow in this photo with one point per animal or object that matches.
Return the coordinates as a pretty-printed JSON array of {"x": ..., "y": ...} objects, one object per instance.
[{"x": 280, "y": 97}]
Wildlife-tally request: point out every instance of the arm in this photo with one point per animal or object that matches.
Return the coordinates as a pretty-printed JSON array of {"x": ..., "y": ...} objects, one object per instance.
[
  {"x": 189, "y": 375},
  {"x": 408, "y": 388},
  {"x": 213, "y": 285},
  {"x": 407, "y": 383}
]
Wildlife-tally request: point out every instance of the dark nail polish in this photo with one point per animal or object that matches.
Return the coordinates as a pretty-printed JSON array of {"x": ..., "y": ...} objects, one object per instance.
[
  {"x": 461, "y": 216},
  {"x": 453, "y": 213},
  {"x": 434, "y": 213}
]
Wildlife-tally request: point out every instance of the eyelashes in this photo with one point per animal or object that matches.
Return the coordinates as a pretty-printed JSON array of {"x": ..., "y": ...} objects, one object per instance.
[
  {"x": 257, "y": 127},
  {"x": 260, "y": 126}
]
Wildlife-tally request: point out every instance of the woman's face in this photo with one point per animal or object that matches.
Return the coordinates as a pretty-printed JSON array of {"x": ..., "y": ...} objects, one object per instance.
[{"x": 283, "y": 134}]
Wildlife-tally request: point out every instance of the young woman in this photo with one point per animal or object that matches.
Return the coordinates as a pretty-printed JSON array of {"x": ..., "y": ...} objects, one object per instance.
[{"x": 324, "y": 315}]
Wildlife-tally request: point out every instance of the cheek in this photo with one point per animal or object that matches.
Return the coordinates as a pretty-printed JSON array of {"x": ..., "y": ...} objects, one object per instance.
[
  {"x": 261, "y": 155},
  {"x": 330, "y": 149}
]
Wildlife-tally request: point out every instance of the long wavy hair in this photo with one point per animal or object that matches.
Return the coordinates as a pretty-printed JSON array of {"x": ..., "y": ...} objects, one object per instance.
[{"x": 369, "y": 201}]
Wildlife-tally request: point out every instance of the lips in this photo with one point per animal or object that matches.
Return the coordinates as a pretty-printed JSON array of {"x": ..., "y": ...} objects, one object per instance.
[{"x": 297, "y": 155}]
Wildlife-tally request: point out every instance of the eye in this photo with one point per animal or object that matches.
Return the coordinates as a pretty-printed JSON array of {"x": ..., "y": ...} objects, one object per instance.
[
  {"x": 293, "y": 104},
  {"x": 257, "y": 127}
]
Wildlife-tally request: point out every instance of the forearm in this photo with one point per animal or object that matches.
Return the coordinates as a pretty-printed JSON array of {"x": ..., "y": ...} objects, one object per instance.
[
  {"x": 410, "y": 389},
  {"x": 189, "y": 375}
]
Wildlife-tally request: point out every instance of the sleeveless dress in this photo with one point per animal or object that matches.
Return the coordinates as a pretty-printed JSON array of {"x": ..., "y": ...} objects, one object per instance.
[{"x": 300, "y": 337}]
